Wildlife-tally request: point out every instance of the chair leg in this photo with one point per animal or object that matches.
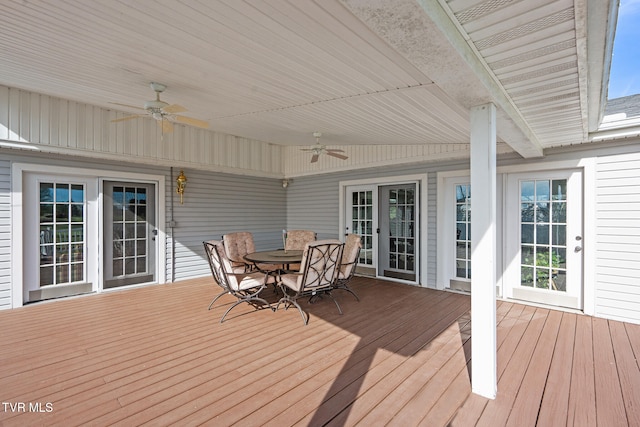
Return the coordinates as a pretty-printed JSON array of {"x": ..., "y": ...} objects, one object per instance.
[
  {"x": 264, "y": 302},
  {"x": 216, "y": 299},
  {"x": 287, "y": 302},
  {"x": 352, "y": 293},
  {"x": 336, "y": 301},
  {"x": 348, "y": 289}
]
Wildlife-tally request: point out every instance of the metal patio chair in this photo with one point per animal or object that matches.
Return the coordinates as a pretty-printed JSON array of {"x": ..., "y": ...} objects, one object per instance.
[
  {"x": 350, "y": 257},
  {"x": 319, "y": 269},
  {"x": 296, "y": 240},
  {"x": 239, "y": 244},
  {"x": 244, "y": 286}
]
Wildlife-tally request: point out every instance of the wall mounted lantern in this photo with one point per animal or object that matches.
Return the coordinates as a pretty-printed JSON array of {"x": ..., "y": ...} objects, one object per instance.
[{"x": 181, "y": 182}]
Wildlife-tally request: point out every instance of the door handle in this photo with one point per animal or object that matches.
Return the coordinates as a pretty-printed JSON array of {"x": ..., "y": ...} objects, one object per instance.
[
  {"x": 577, "y": 249},
  {"x": 155, "y": 233}
]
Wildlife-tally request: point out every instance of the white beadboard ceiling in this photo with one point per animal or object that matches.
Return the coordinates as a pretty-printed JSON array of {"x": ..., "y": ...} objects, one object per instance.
[{"x": 362, "y": 72}]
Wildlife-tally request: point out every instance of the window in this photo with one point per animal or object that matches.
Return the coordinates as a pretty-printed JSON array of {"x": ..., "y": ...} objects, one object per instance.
[
  {"x": 362, "y": 223},
  {"x": 62, "y": 233},
  {"x": 543, "y": 233},
  {"x": 129, "y": 231},
  {"x": 463, "y": 231}
]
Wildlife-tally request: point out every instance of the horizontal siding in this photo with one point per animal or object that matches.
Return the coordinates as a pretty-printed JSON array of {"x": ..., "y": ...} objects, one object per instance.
[
  {"x": 5, "y": 234},
  {"x": 617, "y": 266},
  {"x": 216, "y": 204}
]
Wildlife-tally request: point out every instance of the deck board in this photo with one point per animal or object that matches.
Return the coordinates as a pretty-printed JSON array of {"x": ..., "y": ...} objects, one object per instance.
[
  {"x": 401, "y": 356},
  {"x": 609, "y": 403}
]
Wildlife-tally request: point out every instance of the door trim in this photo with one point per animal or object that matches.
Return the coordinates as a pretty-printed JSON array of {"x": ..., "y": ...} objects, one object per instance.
[
  {"x": 421, "y": 181},
  {"x": 19, "y": 169}
]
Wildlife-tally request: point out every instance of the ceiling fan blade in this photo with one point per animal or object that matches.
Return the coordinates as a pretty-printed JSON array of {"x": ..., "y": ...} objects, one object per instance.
[
  {"x": 166, "y": 125},
  {"x": 314, "y": 158},
  {"x": 334, "y": 150},
  {"x": 175, "y": 108},
  {"x": 339, "y": 156},
  {"x": 191, "y": 121},
  {"x": 122, "y": 119}
]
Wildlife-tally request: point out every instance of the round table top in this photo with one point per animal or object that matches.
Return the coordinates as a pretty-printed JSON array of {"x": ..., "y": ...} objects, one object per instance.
[{"x": 279, "y": 256}]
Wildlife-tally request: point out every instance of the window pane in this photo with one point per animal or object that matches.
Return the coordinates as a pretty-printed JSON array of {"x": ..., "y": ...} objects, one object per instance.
[
  {"x": 527, "y": 233},
  {"x": 46, "y": 212},
  {"x": 526, "y": 276},
  {"x": 542, "y": 190},
  {"x": 46, "y": 192},
  {"x": 62, "y": 213},
  {"x": 62, "y": 193},
  {"x": 77, "y": 194},
  {"x": 542, "y": 234},
  {"x": 559, "y": 189},
  {"x": 559, "y": 213},
  {"x": 559, "y": 235},
  {"x": 527, "y": 190},
  {"x": 542, "y": 212}
]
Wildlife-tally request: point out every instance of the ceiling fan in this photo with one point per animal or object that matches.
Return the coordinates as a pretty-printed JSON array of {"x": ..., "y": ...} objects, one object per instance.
[
  {"x": 163, "y": 112},
  {"x": 318, "y": 149}
]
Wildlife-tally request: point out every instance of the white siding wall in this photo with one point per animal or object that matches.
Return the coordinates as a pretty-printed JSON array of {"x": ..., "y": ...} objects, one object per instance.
[
  {"x": 618, "y": 237},
  {"x": 5, "y": 234}
]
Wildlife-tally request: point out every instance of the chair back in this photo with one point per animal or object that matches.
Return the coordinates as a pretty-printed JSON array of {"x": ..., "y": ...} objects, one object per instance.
[
  {"x": 350, "y": 255},
  {"x": 297, "y": 239},
  {"x": 220, "y": 265},
  {"x": 320, "y": 263},
  {"x": 236, "y": 246}
]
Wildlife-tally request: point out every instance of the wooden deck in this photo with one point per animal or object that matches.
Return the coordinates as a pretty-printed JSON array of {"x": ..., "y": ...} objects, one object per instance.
[{"x": 156, "y": 356}]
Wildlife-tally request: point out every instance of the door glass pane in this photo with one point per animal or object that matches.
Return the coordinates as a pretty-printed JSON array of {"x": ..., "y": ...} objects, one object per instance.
[
  {"x": 543, "y": 234},
  {"x": 401, "y": 229},
  {"x": 362, "y": 223},
  {"x": 463, "y": 230},
  {"x": 62, "y": 233},
  {"x": 130, "y": 237}
]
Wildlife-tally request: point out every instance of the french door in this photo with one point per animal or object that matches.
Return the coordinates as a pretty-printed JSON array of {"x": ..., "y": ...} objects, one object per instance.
[
  {"x": 385, "y": 216},
  {"x": 360, "y": 220},
  {"x": 59, "y": 237},
  {"x": 129, "y": 234},
  {"x": 544, "y": 225},
  {"x": 398, "y": 226}
]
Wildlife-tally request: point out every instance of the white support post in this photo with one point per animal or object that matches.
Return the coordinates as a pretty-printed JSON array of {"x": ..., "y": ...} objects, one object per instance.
[{"x": 483, "y": 251}]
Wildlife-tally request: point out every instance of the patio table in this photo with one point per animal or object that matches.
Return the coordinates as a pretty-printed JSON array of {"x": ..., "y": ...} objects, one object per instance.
[{"x": 276, "y": 257}]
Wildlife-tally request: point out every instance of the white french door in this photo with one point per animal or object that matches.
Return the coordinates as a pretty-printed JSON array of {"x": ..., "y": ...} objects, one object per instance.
[
  {"x": 59, "y": 237},
  {"x": 362, "y": 220},
  {"x": 130, "y": 245},
  {"x": 398, "y": 228},
  {"x": 544, "y": 238},
  {"x": 386, "y": 217}
]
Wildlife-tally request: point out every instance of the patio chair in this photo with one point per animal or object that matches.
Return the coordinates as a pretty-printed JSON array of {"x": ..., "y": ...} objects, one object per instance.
[
  {"x": 236, "y": 246},
  {"x": 350, "y": 256},
  {"x": 320, "y": 264},
  {"x": 244, "y": 286},
  {"x": 296, "y": 240}
]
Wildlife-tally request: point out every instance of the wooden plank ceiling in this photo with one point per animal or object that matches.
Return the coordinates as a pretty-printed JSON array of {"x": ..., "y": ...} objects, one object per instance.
[{"x": 361, "y": 72}]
